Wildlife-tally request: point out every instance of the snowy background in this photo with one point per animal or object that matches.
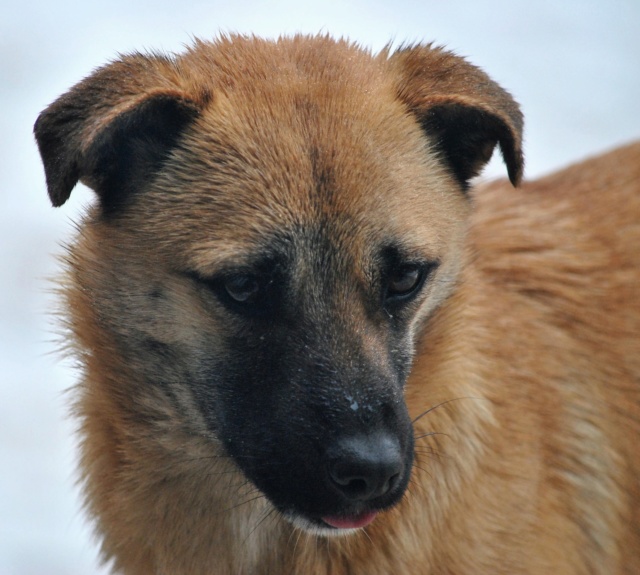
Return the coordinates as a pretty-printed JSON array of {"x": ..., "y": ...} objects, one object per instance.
[{"x": 573, "y": 65}]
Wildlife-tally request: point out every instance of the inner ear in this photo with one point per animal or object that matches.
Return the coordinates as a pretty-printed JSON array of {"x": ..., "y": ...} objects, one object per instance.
[
  {"x": 132, "y": 148},
  {"x": 466, "y": 137}
]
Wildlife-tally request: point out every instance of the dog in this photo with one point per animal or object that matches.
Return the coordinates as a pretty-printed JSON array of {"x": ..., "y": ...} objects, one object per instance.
[{"x": 310, "y": 345}]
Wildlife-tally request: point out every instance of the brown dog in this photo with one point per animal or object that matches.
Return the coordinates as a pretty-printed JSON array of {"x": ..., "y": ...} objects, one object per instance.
[{"x": 290, "y": 331}]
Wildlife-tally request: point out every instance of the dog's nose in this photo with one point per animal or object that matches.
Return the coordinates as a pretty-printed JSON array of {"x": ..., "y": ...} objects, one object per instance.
[{"x": 365, "y": 467}]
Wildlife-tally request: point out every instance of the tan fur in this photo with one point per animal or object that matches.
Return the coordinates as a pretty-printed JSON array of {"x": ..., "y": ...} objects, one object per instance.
[{"x": 526, "y": 376}]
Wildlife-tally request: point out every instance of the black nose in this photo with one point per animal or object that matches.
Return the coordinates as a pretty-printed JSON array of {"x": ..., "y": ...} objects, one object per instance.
[{"x": 365, "y": 467}]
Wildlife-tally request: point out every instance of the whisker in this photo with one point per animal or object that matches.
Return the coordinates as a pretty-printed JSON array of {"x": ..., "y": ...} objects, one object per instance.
[
  {"x": 200, "y": 459},
  {"x": 429, "y": 449},
  {"x": 247, "y": 501},
  {"x": 432, "y": 455},
  {"x": 244, "y": 484},
  {"x": 367, "y": 536},
  {"x": 414, "y": 485},
  {"x": 429, "y": 434},
  {"x": 262, "y": 520},
  {"x": 291, "y": 533},
  {"x": 215, "y": 457},
  {"x": 444, "y": 403},
  {"x": 423, "y": 471}
]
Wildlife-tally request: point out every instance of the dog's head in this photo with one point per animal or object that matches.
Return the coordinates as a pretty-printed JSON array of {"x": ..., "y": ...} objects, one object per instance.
[{"x": 276, "y": 222}]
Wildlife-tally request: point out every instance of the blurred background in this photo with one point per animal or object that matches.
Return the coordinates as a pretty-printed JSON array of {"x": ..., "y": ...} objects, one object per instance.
[{"x": 573, "y": 65}]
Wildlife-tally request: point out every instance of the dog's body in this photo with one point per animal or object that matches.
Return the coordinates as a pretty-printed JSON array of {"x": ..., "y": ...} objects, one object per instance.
[{"x": 279, "y": 257}]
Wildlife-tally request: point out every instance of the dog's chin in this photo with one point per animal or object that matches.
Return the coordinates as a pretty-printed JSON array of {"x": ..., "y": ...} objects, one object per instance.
[{"x": 331, "y": 526}]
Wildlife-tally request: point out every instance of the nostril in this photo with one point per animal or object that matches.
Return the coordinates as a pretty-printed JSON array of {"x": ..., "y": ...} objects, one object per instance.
[
  {"x": 392, "y": 482},
  {"x": 363, "y": 468},
  {"x": 352, "y": 487}
]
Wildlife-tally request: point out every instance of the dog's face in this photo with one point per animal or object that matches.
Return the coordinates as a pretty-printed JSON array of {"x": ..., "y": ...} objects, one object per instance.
[
  {"x": 314, "y": 265},
  {"x": 276, "y": 224}
]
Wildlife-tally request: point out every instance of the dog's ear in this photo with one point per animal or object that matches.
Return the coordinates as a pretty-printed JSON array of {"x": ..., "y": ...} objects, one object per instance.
[
  {"x": 463, "y": 111},
  {"x": 113, "y": 130}
]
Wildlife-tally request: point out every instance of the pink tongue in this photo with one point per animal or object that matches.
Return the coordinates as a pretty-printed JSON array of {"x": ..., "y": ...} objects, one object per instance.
[{"x": 353, "y": 522}]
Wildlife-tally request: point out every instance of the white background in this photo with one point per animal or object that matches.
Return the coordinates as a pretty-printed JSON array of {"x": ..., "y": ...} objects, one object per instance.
[{"x": 574, "y": 65}]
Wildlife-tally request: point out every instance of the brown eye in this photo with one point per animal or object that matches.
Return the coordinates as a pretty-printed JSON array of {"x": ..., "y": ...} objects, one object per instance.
[
  {"x": 242, "y": 288},
  {"x": 404, "y": 281}
]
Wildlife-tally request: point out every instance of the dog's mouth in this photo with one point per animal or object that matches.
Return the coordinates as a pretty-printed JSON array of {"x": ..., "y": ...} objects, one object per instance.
[
  {"x": 357, "y": 521},
  {"x": 332, "y": 525},
  {"x": 341, "y": 491}
]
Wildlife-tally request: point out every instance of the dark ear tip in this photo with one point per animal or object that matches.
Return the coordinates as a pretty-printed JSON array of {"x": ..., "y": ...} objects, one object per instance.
[
  {"x": 515, "y": 180},
  {"x": 38, "y": 124},
  {"x": 515, "y": 168},
  {"x": 511, "y": 148},
  {"x": 58, "y": 197},
  {"x": 51, "y": 152}
]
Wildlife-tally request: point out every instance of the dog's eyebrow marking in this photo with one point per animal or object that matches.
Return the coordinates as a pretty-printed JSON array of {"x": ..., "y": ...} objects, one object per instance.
[
  {"x": 251, "y": 264},
  {"x": 237, "y": 257},
  {"x": 395, "y": 254}
]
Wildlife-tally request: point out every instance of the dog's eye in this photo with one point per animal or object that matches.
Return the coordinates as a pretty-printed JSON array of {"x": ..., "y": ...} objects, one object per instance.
[
  {"x": 406, "y": 280},
  {"x": 255, "y": 294},
  {"x": 243, "y": 289}
]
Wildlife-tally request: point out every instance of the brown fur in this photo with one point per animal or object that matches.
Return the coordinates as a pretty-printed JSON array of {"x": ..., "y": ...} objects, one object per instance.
[{"x": 526, "y": 376}]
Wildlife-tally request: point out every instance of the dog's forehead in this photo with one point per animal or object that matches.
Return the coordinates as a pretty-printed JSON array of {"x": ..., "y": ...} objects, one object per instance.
[
  {"x": 302, "y": 141},
  {"x": 309, "y": 180}
]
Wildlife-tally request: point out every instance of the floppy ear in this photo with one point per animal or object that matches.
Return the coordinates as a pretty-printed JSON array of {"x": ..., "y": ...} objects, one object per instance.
[
  {"x": 113, "y": 130},
  {"x": 463, "y": 111}
]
